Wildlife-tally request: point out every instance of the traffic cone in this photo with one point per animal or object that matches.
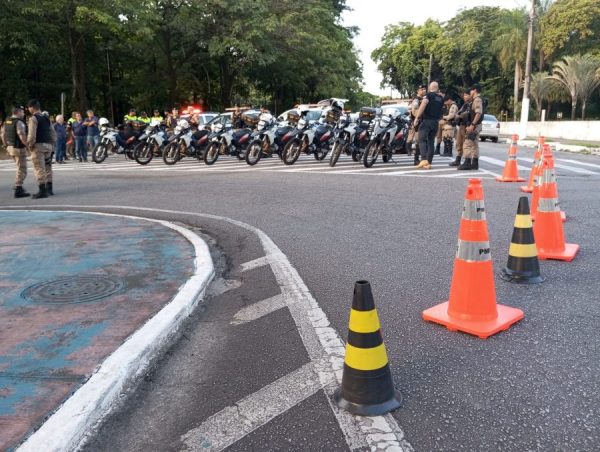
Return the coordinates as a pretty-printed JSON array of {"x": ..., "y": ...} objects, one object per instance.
[
  {"x": 537, "y": 157},
  {"x": 472, "y": 304},
  {"x": 511, "y": 169},
  {"x": 523, "y": 265},
  {"x": 545, "y": 175},
  {"x": 367, "y": 388},
  {"x": 548, "y": 227}
]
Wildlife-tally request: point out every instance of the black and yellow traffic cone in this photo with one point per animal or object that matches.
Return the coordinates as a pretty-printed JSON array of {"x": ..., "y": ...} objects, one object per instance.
[
  {"x": 367, "y": 387},
  {"x": 523, "y": 265}
]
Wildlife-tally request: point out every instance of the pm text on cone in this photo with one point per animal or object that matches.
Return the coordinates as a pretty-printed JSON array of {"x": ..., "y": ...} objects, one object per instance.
[
  {"x": 367, "y": 388},
  {"x": 472, "y": 306}
]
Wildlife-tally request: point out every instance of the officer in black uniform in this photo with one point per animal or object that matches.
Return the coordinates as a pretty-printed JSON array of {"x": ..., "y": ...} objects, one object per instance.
[{"x": 427, "y": 120}]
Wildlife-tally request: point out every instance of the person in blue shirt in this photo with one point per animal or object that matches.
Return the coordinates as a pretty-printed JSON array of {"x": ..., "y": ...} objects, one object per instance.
[
  {"x": 93, "y": 131},
  {"x": 61, "y": 139},
  {"x": 80, "y": 135}
]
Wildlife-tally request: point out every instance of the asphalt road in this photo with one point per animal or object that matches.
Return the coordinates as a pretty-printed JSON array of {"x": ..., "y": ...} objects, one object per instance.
[{"x": 533, "y": 387}]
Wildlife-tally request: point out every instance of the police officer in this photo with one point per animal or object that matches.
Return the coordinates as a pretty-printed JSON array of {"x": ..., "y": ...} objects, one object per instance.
[
  {"x": 472, "y": 131},
  {"x": 441, "y": 124},
  {"x": 448, "y": 124},
  {"x": 461, "y": 123},
  {"x": 413, "y": 133},
  {"x": 14, "y": 137},
  {"x": 156, "y": 116},
  {"x": 131, "y": 117},
  {"x": 41, "y": 139},
  {"x": 427, "y": 120}
]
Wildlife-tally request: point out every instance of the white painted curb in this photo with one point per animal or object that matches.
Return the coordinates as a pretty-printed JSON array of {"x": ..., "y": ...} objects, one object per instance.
[{"x": 67, "y": 427}]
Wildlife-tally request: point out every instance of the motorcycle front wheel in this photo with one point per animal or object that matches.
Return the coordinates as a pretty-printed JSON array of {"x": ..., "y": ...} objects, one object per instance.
[
  {"x": 99, "y": 153},
  {"x": 337, "y": 150},
  {"x": 291, "y": 152},
  {"x": 144, "y": 152},
  {"x": 320, "y": 154},
  {"x": 171, "y": 153},
  {"x": 371, "y": 154},
  {"x": 211, "y": 154},
  {"x": 357, "y": 154},
  {"x": 254, "y": 152}
]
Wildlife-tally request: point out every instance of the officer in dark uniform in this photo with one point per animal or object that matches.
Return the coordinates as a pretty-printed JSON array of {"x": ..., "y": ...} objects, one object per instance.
[
  {"x": 427, "y": 120},
  {"x": 14, "y": 137},
  {"x": 41, "y": 139}
]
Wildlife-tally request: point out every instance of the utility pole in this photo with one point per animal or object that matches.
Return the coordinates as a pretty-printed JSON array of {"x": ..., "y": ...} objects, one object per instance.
[
  {"x": 525, "y": 102},
  {"x": 430, "y": 65}
]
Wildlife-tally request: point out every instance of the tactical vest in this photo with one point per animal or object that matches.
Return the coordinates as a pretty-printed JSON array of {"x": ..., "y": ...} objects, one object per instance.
[
  {"x": 42, "y": 133},
  {"x": 445, "y": 110},
  {"x": 472, "y": 113},
  {"x": 10, "y": 131},
  {"x": 419, "y": 98}
]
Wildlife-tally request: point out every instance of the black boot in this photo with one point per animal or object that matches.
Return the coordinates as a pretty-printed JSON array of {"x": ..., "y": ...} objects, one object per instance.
[
  {"x": 475, "y": 163},
  {"x": 42, "y": 193},
  {"x": 21, "y": 193},
  {"x": 447, "y": 148},
  {"x": 437, "y": 149},
  {"x": 466, "y": 165},
  {"x": 455, "y": 162},
  {"x": 49, "y": 189}
]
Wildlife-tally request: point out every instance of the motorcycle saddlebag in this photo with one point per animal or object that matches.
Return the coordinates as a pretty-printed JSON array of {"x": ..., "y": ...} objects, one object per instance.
[
  {"x": 367, "y": 114},
  {"x": 293, "y": 117}
]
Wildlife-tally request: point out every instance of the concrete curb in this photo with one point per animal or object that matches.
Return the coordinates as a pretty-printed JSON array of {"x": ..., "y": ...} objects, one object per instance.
[{"x": 67, "y": 427}]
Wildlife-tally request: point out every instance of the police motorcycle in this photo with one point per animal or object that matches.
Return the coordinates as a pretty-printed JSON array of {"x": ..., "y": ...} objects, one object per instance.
[
  {"x": 343, "y": 136},
  {"x": 312, "y": 139},
  {"x": 109, "y": 143},
  {"x": 181, "y": 144},
  {"x": 398, "y": 143},
  {"x": 384, "y": 132},
  {"x": 263, "y": 139},
  {"x": 151, "y": 142},
  {"x": 362, "y": 132},
  {"x": 230, "y": 141}
]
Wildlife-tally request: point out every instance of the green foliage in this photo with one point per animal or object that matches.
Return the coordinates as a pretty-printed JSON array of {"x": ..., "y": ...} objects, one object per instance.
[{"x": 113, "y": 54}]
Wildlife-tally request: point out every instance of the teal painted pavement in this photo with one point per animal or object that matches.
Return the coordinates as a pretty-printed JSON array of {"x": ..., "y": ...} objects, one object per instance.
[{"x": 73, "y": 287}]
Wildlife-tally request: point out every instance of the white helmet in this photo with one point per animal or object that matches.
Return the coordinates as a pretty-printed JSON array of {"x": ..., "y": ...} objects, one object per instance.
[
  {"x": 103, "y": 122},
  {"x": 183, "y": 124},
  {"x": 155, "y": 123}
]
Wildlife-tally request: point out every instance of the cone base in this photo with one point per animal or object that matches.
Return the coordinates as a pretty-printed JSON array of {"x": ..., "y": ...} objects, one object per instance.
[
  {"x": 509, "y": 179},
  {"x": 568, "y": 254},
  {"x": 526, "y": 189},
  {"x": 513, "y": 277},
  {"x": 563, "y": 216},
  {"x": 377, "y": 409},
  {"x": 482, "y": 329}
]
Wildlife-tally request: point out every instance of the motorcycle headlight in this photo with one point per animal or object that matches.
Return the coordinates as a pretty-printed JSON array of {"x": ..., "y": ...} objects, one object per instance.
[
  {"x": 385, "y": 121},
  {"x": 302, "y": 123},
  {"x": 177, "y": 130}
]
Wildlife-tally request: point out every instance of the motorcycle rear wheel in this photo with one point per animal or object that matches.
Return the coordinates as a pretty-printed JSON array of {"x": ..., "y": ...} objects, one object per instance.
[
  {"x": 171, "y": 153},
  {"x": 357, "y": 155},
  {"x": 371, "y": 154},
  {"x": 211, "y": 154},
  {"x": 320, "y": 154},
  {"x": 99, "y": 153},
  {"x": 144, "y": 152},
  {"x": 291, "y": 152},
  {"x": 254, "y": 152}
]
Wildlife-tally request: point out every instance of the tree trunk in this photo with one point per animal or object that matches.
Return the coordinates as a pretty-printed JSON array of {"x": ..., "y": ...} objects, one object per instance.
[
  {"x": 78, "y": 93},
  {"x": 171, "y": 70},
  {"x": 541, "y": 61},
  {"x": 583, "y": 102},
  {"x": 516, "y": 89},
  {"x": 226, "y": 82},
  {"x": 573, "y": 108}
]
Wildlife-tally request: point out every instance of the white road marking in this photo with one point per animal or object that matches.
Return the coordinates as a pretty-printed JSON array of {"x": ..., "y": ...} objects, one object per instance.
[
  {"x": 260, "y": 262},
  {"x": 258, "y": 310},
  {"x": 322, "y": 342},
  {"x": 231, "y": 424},
  {"x": 572, "y": 168},
  {"x": 67, "y": 427},
  {"x": 502, "y": 163},
  {"x": 579, "y": 163}
]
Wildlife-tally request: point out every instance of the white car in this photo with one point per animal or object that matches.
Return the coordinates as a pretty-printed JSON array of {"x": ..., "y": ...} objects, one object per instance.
[{"x": 490, "y": 128}]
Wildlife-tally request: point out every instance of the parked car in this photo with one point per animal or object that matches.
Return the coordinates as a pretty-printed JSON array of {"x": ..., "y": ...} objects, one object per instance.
[{"x": 490, "y": 128}]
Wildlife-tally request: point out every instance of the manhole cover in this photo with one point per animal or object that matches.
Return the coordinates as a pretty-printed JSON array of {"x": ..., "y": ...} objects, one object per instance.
[{"x": 80, "y": 289}]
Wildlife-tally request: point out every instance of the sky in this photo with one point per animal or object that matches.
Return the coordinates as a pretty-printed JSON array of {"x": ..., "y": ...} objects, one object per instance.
[{"x": 371, "y": 16}]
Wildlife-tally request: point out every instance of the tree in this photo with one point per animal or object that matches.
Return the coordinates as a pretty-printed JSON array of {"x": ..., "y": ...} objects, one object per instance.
[
  {"x": 544, "y": 88},
  {"x": 511, "y": 45},
  {"x": 569, "y": 27},
  {"x": 579, "y": 77}
]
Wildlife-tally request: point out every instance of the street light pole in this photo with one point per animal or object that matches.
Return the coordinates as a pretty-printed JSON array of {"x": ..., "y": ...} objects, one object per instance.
[
  {"x": 430, "y": 65},
  {"x": 525, "y": 102}
]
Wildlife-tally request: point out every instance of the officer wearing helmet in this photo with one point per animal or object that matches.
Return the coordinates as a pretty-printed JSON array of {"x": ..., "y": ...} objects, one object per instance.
[{"x": 14, "y": 137}]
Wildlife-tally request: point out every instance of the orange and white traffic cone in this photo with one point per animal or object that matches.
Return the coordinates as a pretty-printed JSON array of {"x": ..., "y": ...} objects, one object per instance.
[
  {"x": 511, "y": 169},
  {"x": 548, "y": 227},
  {"x": 472, "y": 306},
  {"x": 537, "y": 158},
  {"x": 545, "y": 175}
]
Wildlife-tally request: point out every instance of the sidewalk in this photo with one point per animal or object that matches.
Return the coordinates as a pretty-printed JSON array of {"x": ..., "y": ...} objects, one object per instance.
[{"x": 73, "y": 288}]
